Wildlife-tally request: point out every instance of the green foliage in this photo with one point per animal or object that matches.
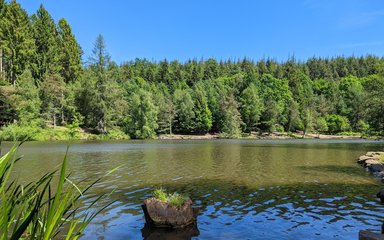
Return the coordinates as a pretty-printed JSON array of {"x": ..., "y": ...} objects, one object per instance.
[
  {"x": 203, "y": 115},
  {"x": 160, "y": 194},
  {"x": 184, "y": 105},
  {"x": 47, "y": 57},
  {"x": 180, "y": 97},
  {"x": 141, "y": 120},
  {"x": 16, "y": 132},
  {"x": 362, "y": 127},
  {"x": 337, "y": 123},
  {"x": 174, "y": 199},
  {"x": 52, "y": 94},
  {"x": 116, "y": 134},
  {"x": 166, "y": 110},
  {"x": 73, "y": 128},
  {"x": 321, "y": 125},
  {"x": 374, "y": 103},
  {"x": 26, "y": 100},
  {"x": 70, "y": 58},
  {"x": 35, "y": 211},
  {"x": 230, "y": 119},
  {"x": 251, "y": 107},
  {"x": 16, "y": 40}
]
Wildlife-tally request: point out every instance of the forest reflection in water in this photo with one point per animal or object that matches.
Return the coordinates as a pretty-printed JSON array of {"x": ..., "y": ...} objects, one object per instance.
[{"x": 245, "y": 189}]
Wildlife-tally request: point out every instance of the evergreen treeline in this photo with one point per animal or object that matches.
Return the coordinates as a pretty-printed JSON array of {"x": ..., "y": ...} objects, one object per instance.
[{"x": 44, "y": 83}]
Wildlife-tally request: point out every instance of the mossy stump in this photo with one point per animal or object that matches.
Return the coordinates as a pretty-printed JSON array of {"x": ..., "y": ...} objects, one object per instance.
[{"x": 162, "y": 214}]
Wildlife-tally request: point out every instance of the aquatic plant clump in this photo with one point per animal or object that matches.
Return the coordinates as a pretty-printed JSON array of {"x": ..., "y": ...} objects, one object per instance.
[{"x": 174, "y": 199}]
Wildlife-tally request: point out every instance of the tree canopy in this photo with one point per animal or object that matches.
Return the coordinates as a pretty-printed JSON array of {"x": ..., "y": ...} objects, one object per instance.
[{"x": 44, "y": 81}]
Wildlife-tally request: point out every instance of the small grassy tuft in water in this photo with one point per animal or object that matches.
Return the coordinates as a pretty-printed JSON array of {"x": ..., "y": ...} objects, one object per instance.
[
  {"x": 174, "y": 199},
  {"x": 160, "y": 194}
]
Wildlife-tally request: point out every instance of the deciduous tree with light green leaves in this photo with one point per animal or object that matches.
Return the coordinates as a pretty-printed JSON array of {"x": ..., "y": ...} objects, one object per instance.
[
  {"x": 141, "y": 119},
  {"x": 230, "y": 124},
  {"x": 184, "y": 105}
]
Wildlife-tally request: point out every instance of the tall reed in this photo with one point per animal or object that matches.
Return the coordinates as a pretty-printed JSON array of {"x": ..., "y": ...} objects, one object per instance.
[{"x": 36, "y": 211}]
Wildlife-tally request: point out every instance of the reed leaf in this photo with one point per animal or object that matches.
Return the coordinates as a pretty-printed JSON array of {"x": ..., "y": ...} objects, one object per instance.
[{"x": 34, "y": 211}]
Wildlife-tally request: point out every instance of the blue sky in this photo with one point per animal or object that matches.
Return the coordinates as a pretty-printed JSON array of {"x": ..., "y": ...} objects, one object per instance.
[{"x": 177, "y": 29}]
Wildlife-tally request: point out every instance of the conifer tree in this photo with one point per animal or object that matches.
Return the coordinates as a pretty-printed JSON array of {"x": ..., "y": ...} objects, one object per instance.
[
  {"x": 16, "y": 40},
  {"x": 47, "y": 59},
  {"x": 70, "y": 53}
]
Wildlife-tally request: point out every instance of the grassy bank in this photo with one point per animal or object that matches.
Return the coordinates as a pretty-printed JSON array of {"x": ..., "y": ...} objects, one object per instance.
[{"x": 16, "y": 132}]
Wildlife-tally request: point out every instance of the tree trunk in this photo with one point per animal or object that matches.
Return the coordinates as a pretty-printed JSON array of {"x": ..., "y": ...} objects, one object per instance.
[
  {"x": 1, "y": 63},
  {"x": 54, "y": 120}
]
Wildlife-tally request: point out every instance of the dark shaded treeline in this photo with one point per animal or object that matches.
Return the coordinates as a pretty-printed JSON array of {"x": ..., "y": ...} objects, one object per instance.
[{"x": 44, "y": 83}]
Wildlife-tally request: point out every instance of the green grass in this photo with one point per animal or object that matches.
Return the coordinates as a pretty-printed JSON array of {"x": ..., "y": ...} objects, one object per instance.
[
  {"x": 34, "y": 132},
  {"x": 35, "y": 211},
  {"x": 174, "y": 199},
  {"x": 381, "y": 159}
]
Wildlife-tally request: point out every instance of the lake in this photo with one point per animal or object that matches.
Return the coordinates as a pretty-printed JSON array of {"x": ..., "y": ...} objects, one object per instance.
[{"x": 245, "y": 189}]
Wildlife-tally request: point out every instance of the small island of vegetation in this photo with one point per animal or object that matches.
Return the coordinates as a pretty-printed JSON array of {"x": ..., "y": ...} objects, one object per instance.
[{"x": 48, "y": 92}]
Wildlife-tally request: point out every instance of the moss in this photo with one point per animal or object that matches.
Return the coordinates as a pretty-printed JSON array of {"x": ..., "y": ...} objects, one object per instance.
[{"x": 174, "y": 199}]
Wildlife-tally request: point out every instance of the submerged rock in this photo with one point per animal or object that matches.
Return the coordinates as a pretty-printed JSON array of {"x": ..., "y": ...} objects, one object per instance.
[
  {"x": 163, "y": 214},
  {"x": 381, "y": 195},
  {"x": 372, "y": 161}
]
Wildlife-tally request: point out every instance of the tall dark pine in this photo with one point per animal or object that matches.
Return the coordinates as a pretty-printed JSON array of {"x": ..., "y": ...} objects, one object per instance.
[
  {"x": 16, "y": 40},
  {"x": 70, "y": 53},
  {"x": 47, "y": 44}
]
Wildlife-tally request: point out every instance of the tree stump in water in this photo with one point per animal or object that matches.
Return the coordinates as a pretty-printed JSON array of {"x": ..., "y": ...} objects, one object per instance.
[
  {"x": 162, "y": 214},
  {"x": 368, "y": 235}
]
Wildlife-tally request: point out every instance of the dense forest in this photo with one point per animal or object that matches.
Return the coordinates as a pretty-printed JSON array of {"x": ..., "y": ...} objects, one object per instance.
[{"x": 45, "y": 83}]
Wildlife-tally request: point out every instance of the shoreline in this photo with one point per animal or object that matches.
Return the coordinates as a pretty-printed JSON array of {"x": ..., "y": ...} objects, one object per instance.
[{"x": 259, "y": 136}]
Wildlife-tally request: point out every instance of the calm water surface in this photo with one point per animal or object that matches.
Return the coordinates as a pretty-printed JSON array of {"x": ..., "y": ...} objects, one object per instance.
[{"x": 246, "y": 189}]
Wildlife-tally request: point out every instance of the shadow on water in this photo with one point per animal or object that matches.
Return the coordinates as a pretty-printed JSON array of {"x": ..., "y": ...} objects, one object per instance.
[{"x": 151, "y": 233}]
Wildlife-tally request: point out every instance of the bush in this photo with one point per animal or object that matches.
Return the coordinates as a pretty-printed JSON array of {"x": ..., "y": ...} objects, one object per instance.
[
  {"x": 15, "y": 132},
  {"x": 337, "y": 123}
]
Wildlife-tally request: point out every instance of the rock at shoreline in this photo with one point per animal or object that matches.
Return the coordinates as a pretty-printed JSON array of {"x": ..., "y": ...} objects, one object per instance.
[
  {"x": 381, "y": 196},
  {"x": 368, "y": 235},
  {"x": 162, "y": 214},
  {"x": 372, "y": 161}
]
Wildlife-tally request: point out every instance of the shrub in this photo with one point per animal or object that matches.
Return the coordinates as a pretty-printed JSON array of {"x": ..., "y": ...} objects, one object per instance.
[
  {"x": 337, "y": 123},
  {"x": 15, "y": 132}
]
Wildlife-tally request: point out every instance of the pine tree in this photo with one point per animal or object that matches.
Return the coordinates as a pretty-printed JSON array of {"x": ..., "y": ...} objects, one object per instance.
[
  {"x": 47, "y": 60},
  {"x": 203, "y": 115},
  {"x": 16, "y": 40},
  {"x": 251, "y": 107},
  {"x": 70, "y": 57}
]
